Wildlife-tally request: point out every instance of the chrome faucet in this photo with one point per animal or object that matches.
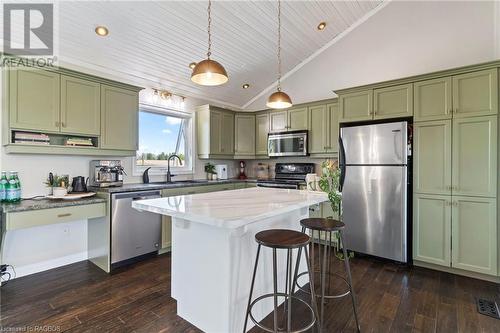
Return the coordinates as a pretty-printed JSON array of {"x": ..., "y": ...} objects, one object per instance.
[{"x": 169, "y": 175}]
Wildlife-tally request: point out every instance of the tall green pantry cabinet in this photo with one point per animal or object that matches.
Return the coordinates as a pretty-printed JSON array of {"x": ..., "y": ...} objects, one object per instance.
[{"x": 455, "y": 172}]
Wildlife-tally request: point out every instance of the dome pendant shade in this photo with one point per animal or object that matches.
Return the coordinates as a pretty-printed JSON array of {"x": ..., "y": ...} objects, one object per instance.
[
  {"x": 209, "y": 73},
  {"x": 279, "y": 100}
]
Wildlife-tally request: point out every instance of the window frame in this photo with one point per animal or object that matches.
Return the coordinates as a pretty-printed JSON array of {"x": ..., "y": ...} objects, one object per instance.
[{"x": 189, "y": 160}]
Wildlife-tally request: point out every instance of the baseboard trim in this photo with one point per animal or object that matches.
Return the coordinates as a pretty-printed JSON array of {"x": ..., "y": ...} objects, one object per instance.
[
  {"x": 457, "y": 271},
  {"x": 49, "y": 264}
]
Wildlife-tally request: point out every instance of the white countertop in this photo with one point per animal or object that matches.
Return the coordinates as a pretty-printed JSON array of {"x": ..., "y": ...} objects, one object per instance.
[{"x": 232, "y": 209}]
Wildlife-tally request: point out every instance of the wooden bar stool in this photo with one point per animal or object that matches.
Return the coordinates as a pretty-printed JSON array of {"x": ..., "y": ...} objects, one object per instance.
[
  {"x": 287, "y": 240},
  {"x": 328, "y": 226}
]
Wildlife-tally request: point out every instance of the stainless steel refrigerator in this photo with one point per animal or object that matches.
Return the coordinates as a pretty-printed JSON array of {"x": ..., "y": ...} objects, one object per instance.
[{"x": 374, "y": 172}]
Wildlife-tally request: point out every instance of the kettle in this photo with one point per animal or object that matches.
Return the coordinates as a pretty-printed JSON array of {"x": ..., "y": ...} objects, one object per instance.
[{"x": 79, "y": 184}]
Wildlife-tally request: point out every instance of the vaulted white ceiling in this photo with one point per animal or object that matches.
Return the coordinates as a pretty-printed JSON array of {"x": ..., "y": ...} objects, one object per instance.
[{"x": 152, "y": 43}]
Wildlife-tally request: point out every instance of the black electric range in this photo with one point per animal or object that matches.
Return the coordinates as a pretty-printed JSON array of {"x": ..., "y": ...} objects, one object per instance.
[{"x": 288, "y": 175}]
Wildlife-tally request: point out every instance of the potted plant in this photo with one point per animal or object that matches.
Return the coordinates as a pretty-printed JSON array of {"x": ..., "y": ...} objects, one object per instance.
[
  {"x": 329, "y": 182},
  {"x": 210, "y": 170},
  {"x": 58, "y": 185}
]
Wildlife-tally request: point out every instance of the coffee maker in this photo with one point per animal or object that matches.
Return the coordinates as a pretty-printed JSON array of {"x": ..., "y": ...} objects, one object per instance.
[{"x": 106, "y": 173}]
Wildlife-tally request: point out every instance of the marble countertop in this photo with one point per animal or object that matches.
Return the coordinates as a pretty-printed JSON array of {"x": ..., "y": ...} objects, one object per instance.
[
  {"x": 34, "y": 204},
  {"x": 232, "y": 209},
  {"x": 164, "y": 185}
]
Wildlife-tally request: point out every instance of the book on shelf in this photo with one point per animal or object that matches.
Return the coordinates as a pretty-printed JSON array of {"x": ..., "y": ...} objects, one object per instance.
[
  {"x": 79, "y": 142},
  {"x": 33, "y": 138}
]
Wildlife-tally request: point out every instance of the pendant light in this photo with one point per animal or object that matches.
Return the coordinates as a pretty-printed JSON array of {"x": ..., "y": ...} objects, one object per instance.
[
  {"x": 209, "y": 72},
  {"x": 279, "y": 99}
]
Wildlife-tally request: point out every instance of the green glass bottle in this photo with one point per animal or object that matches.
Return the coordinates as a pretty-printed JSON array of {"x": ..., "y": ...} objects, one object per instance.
[
  {"x": 18, "y": 187},
  {"x": 11, "y": 188},
  {"x": 3, "y": 186}
]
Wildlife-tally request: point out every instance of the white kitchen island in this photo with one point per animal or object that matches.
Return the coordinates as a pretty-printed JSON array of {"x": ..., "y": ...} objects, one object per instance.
[{"x": 214, "y": 249}]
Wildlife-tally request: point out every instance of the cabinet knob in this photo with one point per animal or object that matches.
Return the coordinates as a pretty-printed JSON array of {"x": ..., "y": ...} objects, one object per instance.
[
  {"x": 57, "y": 124},
  {"x": 63, "y": 124}
]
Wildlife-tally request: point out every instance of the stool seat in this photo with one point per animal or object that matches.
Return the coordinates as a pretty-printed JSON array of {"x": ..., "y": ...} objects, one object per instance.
[
  {"x": 282, "y": 238},
  {"x": 322, "y": 224}
]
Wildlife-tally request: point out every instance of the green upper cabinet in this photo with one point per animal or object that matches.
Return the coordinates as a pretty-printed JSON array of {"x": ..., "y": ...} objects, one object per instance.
[
  {"x": 432, "y": 229},
  {"x": 261, "y": 132},
  {"x": 432, "y": 157},
  {"x": 474, "y": 234},
  {"x": 432, "y": 99},
  {"x": 215, "y": 132},
  {"x": 393, "y": 102},
  {"x": 34, "y": 99},
  {"x": 278, "y": 121},
  {"x": 334, "y": 130},
  {"x": 297, "y": 119},
  {"x": 80, "y": 106},
  {"x": 356, "y": 106},
  {"x": 288, "y": 120},
  {"x": 227, "y": 134},
  {"x": 475, "y": 94},
  {"x": 319, "y": 118},
  {"x": 475, "y": 156},
  {"x": 244, "y": 135},
  {"x": 119, "y": 118}
]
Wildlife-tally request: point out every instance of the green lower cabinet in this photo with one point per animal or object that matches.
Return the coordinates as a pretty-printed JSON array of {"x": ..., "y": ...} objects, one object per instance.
[
  {"x": 474, "y": 234},
  {"x": 432, "y": 229}
]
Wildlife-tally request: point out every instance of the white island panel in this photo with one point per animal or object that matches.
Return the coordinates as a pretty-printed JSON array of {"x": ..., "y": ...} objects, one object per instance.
[{"x": 214, "y": 249}]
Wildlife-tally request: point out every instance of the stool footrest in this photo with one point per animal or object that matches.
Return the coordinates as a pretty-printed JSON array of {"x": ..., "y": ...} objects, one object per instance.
[
  {"x": 301, "y": 288},
  {"x": 267, "y": 329}
]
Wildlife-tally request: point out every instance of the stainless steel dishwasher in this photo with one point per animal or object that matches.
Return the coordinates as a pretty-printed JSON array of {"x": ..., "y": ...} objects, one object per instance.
[{"x": 134, "y": 234}]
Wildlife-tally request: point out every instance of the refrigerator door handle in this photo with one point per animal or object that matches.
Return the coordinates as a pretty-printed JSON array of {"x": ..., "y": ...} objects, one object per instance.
[{"x": 342, "y": 164}]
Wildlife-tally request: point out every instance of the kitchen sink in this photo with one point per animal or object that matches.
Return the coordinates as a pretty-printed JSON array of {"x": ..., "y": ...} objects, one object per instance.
[{"x": 193, "y": 181}]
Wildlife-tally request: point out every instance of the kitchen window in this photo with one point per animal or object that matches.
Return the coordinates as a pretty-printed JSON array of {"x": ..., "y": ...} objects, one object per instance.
[{"x": 163, "y": 132}]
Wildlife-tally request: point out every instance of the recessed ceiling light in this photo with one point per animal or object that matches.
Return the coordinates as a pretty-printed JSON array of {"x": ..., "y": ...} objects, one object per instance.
[
  {"x": 192, "y": 65},
  {"x": 321, "y": 26},
  {"x": 101, "y": 30},
  {"x": 245, "y": 86}
]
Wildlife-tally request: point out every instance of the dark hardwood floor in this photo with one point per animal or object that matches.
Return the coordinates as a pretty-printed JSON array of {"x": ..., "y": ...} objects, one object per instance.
[{"x": 82, "y": 298}]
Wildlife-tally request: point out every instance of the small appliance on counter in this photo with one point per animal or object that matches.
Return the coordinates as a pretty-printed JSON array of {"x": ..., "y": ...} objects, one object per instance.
[
  {"x": 79, "y": 184},
  {"x": 106, "y": 173},
  {"x": 262, "y": 171},
  {"x": 242, "y": 170},
  {"x": 221, "y": 170}
]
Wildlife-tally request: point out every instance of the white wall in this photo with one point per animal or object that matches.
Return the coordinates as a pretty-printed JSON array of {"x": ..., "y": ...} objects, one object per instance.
[{"x": 404, "y": 38}]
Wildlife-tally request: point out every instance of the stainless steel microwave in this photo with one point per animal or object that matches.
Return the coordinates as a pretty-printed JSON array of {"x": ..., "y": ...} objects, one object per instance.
[{"x": 287, "y": 144}]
